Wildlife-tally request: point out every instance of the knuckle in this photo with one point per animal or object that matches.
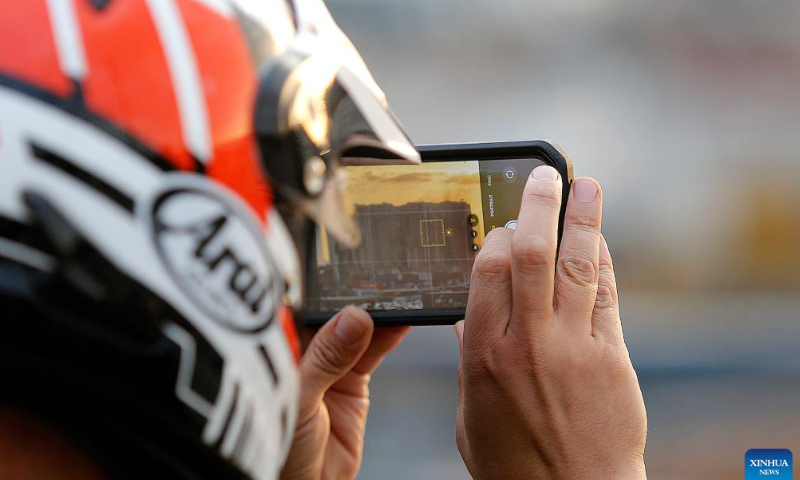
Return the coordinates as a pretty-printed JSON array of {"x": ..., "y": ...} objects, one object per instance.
[
  {"x": 606, "y": 267},
  {"x": 497, "y": 235},
  {"x": 584, "y": 221},
  {"x": 618, "y": 364},
  {"x": 605, "y": 297},
  {"x": 581, "y": 271},
  {"x": 327, "y": 359},
  {"x": 605, "y": 289},
  {"x": 543, "y": 193},
  {"x": 579, "y": 362},
  {"x": 622, "y": 368},
  {"x": 533, "y": 253},
  {"x": 483, "y": 366},
  {"x": 492, "y": 267},
  {"x": 574, "y": 366}
]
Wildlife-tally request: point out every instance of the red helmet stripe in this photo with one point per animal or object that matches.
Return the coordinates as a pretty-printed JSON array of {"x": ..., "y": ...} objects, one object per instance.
[
  {"x": 186, "y": 82},
  {"x": 27, "y": 48},
  {"x": 128, "y": 80},
  {"x": 226, "y": 67}
]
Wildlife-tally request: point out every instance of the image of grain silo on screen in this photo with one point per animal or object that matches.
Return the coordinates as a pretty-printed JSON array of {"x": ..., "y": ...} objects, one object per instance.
[{"x": 421, "y": 228}]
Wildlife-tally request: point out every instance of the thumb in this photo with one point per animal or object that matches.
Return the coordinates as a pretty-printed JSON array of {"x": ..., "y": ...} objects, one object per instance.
[{"x": 334, "y": 350}]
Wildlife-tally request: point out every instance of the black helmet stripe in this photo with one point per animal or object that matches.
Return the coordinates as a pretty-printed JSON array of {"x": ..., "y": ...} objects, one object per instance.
[
  {"x": 79, "y": 111},
  {"x": 71, "y": 168}
]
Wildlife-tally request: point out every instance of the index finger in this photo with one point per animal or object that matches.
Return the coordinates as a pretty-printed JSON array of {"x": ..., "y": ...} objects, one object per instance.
[{"x": 533, "y": 252}]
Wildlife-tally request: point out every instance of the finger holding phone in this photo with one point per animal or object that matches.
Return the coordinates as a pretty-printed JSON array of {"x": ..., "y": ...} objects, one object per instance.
[{"x": 546, "y": 386}]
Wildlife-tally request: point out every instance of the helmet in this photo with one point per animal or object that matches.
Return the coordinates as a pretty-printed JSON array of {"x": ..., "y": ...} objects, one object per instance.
[{"x": 161, "y": 164}]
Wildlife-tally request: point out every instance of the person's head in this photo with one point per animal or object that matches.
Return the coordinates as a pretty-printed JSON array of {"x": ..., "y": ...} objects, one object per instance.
[{"x": 162, "y": 163}]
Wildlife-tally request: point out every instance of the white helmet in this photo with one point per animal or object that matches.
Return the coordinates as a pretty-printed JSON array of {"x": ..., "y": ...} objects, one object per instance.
[{"x": 151, "y": 155}]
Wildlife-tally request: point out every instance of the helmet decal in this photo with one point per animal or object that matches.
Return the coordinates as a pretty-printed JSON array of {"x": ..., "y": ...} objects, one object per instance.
[
  {"x": 139, "y": 214},
  {"x": 144, "y": 145},
  {"x": 216, "y": 252}
]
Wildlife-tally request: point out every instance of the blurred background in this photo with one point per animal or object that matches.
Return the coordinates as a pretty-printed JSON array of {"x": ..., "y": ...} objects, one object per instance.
[{"x": 688, "y": 112}]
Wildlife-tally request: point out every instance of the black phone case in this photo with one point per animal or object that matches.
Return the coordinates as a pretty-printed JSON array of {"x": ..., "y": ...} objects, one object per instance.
[{"x": 551, "y": 153}]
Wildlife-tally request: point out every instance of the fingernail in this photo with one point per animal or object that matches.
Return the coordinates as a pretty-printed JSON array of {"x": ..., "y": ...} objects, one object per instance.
[
  {"x": 585, "y": 191},
  {"x": 348, "y": 329},
  {"x": 545, "y": 172}
]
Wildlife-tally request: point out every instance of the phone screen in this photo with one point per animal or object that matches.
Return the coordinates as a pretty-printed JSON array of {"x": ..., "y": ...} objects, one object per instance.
[{"x": 421, "y": 228}]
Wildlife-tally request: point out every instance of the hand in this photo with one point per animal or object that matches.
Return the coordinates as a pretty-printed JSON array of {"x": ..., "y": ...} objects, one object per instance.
[
  {"x": 546, "y": 386},
  {"x": 334, "y": 396}
]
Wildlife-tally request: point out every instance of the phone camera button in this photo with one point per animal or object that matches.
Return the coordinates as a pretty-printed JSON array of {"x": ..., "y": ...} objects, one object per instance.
[
  {"x": 511, "y": 224},
  {"x": 510, "y": 174}
]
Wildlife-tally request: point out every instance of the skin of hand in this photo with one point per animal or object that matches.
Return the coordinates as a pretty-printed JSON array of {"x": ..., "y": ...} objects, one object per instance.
[
  {"x": 335, "y": 372},
  {"x": 546, "y": 385}
]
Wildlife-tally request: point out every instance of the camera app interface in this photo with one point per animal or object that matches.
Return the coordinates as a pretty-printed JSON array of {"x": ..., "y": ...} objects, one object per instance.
[{"x": 421, "y": 228}]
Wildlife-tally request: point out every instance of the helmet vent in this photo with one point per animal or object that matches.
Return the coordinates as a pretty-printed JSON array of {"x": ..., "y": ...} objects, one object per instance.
[{"x": 99, "y": 5}]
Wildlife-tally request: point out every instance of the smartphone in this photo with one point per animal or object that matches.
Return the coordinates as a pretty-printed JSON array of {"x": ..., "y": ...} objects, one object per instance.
[{"x": 422, "y": 227}]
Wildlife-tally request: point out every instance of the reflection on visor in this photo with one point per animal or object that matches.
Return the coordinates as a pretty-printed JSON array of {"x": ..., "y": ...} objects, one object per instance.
[
  {"x": 316, "y": 100},
  {"x": 374, "y": 133}
]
